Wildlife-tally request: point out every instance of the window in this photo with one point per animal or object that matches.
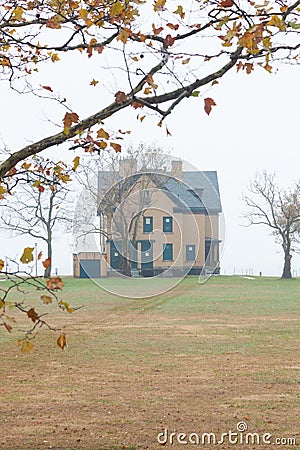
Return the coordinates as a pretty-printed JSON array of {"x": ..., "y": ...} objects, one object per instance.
[
  {"x": 190, "y": 252},
  {"x": 145, "y": 197},
  {"x": 168, "y": 224},
  {"x": 168, "y": 252},
  {"x": 147, "y": 224}
]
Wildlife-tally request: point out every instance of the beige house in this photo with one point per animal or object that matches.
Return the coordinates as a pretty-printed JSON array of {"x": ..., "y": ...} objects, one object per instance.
[{"x": 155, "y": 223}]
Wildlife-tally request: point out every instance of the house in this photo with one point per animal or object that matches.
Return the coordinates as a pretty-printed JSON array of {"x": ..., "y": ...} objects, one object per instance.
[{"x": 155, "y": 223}]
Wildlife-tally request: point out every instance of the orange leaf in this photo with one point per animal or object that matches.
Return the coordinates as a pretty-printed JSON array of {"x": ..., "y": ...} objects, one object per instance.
[
  {"x": 208, "y": 103},
  {"x": 173, "y": 26},
  {"x": 156, "y": 30},
  {"x": 33, "y": 315},
  {"x": 62, "y": 341},
  {"x": 40, "y": 255},
  {"x": 46, "y": 263},
  {"x": 137, "y": 105},
  {"x": 117, "y": 147},
  {"x": 55, "y": 283},
  {"x": 27, "y": 256},
  {"x": 94, "y": 82},
  {"x": 1, "y": 264}
]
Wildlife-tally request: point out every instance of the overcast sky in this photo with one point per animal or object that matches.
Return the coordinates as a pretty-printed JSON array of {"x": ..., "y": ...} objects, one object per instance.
[{"x": 255, "y": 126}]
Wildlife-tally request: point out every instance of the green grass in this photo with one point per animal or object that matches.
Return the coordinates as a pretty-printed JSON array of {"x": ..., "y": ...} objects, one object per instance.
[{"x": 200, "y": 355}]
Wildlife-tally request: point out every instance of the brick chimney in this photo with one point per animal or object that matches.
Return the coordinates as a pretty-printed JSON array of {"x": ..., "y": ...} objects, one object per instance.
[
  {"x": 176, "y": 169},
  {"x": 127, "y": 167}
]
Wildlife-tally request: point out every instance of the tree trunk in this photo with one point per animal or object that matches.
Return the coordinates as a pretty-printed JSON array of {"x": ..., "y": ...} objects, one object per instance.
[
  {"x": 286, "y": 273},
  {"x": 47, "y": 273},
  {"x": 125, "y": 267}
]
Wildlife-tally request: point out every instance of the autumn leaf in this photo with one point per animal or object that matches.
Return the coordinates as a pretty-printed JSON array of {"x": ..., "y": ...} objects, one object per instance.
[
  {"x": 8, "y": 327},
  {"x": 120, "y": 97},
  {"x": 102, "y": 134},
  {"x": 46, "y": 263},
  {"x": 40, "y": 255},
  {"x": 186, "y": 61},
  {"x": 208, "y": 103},
  {"x": 33, "y": 315},
  {"x": 226, "y": 3},
  {"x": 2, "y": 303},
  {"x": 46, "y": 299},
  {"x": 156, "y": 31},
  {"x": 55, "y": 283},
  {"x": 137, "y": 105},
  {"x": 169, "y": 40},
  {"x": 76, "y": 162},
  {"x": 48, "y": 88},
  {"x": 62, "y": 341},
  {"x": 94, "y": 82},
  {"x": 179, "y": 11},
  {"x": 117, "y": 147},
  {"x": 173, "y": 26},
  {"x": 159, "y": 5},
  {"x": 66, "y": 306},
  {"x": 1, "y": 264},
  {"x": 27, "y": 256},
  {"x": 26, "y": 346},
  {"x": 68, "y": 120}
]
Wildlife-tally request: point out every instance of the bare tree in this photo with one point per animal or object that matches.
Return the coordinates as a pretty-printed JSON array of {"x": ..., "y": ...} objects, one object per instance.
[
  {"x": 277, "y": 209},
  {"x": 38, "y": 207}
]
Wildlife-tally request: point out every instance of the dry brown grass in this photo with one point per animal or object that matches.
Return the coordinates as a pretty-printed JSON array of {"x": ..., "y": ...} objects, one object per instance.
[{"x": 200, "y": 358}]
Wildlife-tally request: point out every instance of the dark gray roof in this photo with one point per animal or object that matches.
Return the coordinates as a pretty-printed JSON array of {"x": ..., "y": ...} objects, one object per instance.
[
  {"x": 198, "y": 191},
  {"x": 208, "y": 181}
]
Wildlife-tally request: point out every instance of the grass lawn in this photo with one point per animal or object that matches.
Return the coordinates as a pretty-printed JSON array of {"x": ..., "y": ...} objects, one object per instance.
[{"x": 200, "y": 358}]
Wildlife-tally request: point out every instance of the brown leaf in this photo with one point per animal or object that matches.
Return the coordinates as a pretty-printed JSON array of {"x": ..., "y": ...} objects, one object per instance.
[
  {"x": 169, "y": 40},
  {"x": 1, "y": 264},
  {"x": 33, "y": 315},
  {"x": 46, "y": 263},
  {"x": 55, "y": 283},
  {"x": 8, "y": 327},
  {"x": 102, "y": 134},
  {"x": 68, "y": 120},
  {"x": 120, "y": 97},
  {"x": 62, "y": 341},
  {"x": 27, "y": 256},
  {"x": 208, "y": 103},
  {"x": 40, "y": 255},
  {"x": 117, "y": 147},
  {"x": 226, "y": 3},
  {"x": 48, "y": 88}
]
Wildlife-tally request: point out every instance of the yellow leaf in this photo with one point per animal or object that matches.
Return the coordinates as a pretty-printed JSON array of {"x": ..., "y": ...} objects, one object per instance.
[
  {"x": 186, "y": 61},
  {"x": 94, "y": 82},
  {"x": 54, "y": 57},
  {"x": 179, "y": 11},
  {"x": 76, "y": 162},
  {"x": 17, "y": 13},
  {"x": 124, "y": 35},
  {"x": 116, "y": 9},
  {"x": 275, "y": 21},
  {"x": 2, "y": 303},
  {"x": 62, "y": 341},
  {"x": 83, "y": 13},
  {"x": 46, "y": 299},
  {"x": 27, "y": 256},
  {"x": 26, "y": 346}
]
